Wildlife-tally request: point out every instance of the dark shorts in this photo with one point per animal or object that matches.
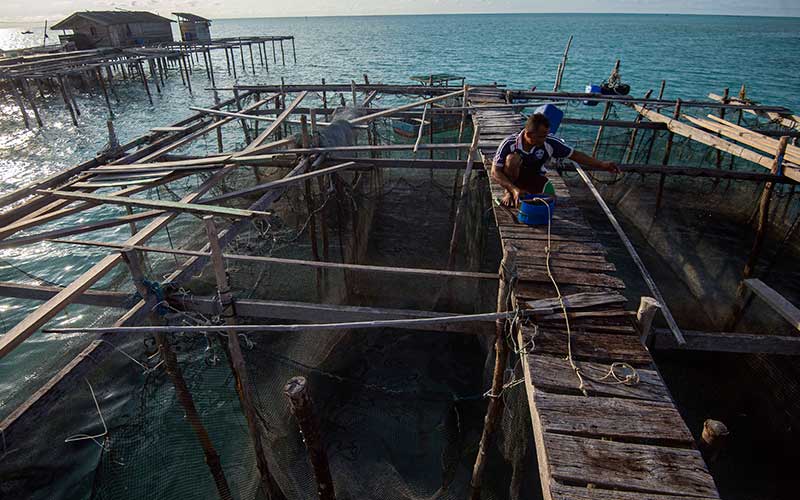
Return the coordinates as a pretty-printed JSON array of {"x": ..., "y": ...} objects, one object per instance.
[{"x": 531, "y": 181}]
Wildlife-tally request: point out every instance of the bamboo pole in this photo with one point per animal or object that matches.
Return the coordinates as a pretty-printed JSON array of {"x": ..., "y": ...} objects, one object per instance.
[
  {"x": 302, "y": 408},
  {"x": 763, "y": 211},
  {"x": 562, "y": 66},
  {"x": 312, "y": 219},
  {"x": 632, "y": 142},
  {"x": 237, "y": 360},
  {"x": 725, "y": 94},
  {"x": 462, "y": 199},
  {"x": 495, "y": 409},
  {"x": 182, "y": 392},
  {"x": 665, "y": 160},
  {"x": 655, "y": 132}
]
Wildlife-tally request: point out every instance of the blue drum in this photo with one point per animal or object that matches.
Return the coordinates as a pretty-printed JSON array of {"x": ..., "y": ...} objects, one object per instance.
[{"x": 536, "y": 209}]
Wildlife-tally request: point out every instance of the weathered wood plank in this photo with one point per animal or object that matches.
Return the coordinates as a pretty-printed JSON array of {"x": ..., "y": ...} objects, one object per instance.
[
  {"x": 569, "y": 276},
  {"x": 627, "y": 466},
  {"x": 166, "y": 205},
  {"x": 553, "y": 374},
  {"x": 730, "y": 342},
  {"x": 776, "y": 301},
  {"x": 612, "y": 418},
  {"x": 593, "y": 347},
  {"x": 559, "y": 491}
]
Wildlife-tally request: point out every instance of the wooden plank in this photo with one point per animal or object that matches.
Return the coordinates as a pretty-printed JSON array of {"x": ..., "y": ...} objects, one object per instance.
[
  {"x": 705, "y": 138},
  {"x": 559, "y": 491},
  {"x": 99, "y": 298},
  {"x": 731, "y": 342},
  {"x": 415, "y": 104},
  {"x": 651, "y": 284},
  {"x": 628, "y": 466},
  {"x": 776, "y": 301},
  {"x": 298, "y": 262},
  {"x": 579, "y": 301},
  {"x": 274, "y": 126},
  {"x": 592, "y": 347},
  {"x": 555, "y": 375},
  {"x": 166, "y": 205},
  {"x": 612, "y": 418},
  {"x": 757, "y": 141},
  {"x": 569, "y": 276},
  {"x": 281, "y": 182},
  {"x": 32, "y": 322},
  {"x": 81, "y": 229}
]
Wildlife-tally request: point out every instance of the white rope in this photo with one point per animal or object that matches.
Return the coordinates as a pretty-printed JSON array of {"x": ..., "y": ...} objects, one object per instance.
[
  {"x": 94, "y": 437},
  {"x": 631, "y": 378}
]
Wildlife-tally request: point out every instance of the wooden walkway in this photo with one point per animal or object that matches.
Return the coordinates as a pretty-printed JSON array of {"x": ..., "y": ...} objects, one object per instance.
[{"x": 621, "y": 442}]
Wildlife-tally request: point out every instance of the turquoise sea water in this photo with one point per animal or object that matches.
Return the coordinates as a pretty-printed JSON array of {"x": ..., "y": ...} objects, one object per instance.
[{"x": 695, "y": 54}]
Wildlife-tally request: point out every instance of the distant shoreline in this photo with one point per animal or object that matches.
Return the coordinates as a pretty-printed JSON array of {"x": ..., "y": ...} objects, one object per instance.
[{"x": 37, "y": 22}]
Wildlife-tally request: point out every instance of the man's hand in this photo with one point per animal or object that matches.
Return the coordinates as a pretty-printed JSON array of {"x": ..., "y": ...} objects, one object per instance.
[
  {"x": 609, "y": 166},
  {"x": 511, "y": 198}
]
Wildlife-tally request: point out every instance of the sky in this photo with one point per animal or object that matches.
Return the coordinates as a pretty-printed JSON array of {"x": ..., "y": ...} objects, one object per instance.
[{"x": 18, "y": 11}]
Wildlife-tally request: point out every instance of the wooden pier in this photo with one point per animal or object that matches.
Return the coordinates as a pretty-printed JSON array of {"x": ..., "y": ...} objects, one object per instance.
[
  {"x": 604, "y": 424},
  {"x": 622, "y": 440}
]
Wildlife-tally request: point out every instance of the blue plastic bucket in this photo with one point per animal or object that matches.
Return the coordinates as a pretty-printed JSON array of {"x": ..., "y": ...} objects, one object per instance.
[
  {"x": 592, "y": 89},
  {"x": 534, "y": 212},
  {"x": 553, "y": 114}
]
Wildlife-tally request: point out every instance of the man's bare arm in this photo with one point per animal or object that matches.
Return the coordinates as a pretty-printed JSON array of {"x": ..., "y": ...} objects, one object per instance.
[
  {"x": 590, "y": 161},
  {"x": 501, "y": 178}
]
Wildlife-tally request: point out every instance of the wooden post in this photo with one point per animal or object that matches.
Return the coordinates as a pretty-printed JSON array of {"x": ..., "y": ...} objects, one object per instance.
[
  {"x": 312, "y": 222},
  {"x": 451, "y": 260},
  {"x": 763, "y": 210},
  {"x": 302, "y": 408},
  {"x": 742, "y": 97},
  {"x": 274, "y": 57},
  {"x": 665, "y": 160},
  {"x": 237, "y": 360},
  {"x": 353, "y": 91},
  {"x": 105, "y": 92},
  {"x": 495, "y": 409},
  {"x": 67, "y": 103},
  {"x": 252, "y": 61},
  {"x": 632, "y": 142},
  {"x": 713, "y": 439},
  {"x": 294, "y": 52},
  {"x": 324, "y": 96},
  {"x": 18, "y": 101},
  {"x": 655, "y": 132},
  {"x": 562, "y": 66},
  {"x": 606, "y": 112},
  {"x": 322, "y": 190},
  {"x": 725, "y": 100},
  {"x": 241, "y": 56},
  {"x": 29, "y": 97},
  {"x": 283, "y": 55},
  {"x": 243, "y": 121},
  {"x": 227, "y": 59},
  {"x": 182, "y": 392},
  {"x": 233, "y": 63},
  {"x": 648, "y": 307},
  {"x": 144, "y": 82}
]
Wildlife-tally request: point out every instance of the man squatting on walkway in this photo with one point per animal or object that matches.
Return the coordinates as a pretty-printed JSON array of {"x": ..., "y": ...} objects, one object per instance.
[{"x": 518, "y": 165}]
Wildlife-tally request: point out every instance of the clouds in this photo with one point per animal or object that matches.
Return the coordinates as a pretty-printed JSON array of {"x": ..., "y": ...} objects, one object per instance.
[{"x": 18, "y": 10}]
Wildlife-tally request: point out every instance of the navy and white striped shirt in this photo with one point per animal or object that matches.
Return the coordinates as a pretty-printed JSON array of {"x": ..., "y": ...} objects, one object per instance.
[{"x": 537, "y": 156}]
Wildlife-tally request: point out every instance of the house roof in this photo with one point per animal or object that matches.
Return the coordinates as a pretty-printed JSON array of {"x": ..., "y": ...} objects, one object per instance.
[
  {"x": 110, "y": 17},
  {"x": 191, "y": 17}
]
